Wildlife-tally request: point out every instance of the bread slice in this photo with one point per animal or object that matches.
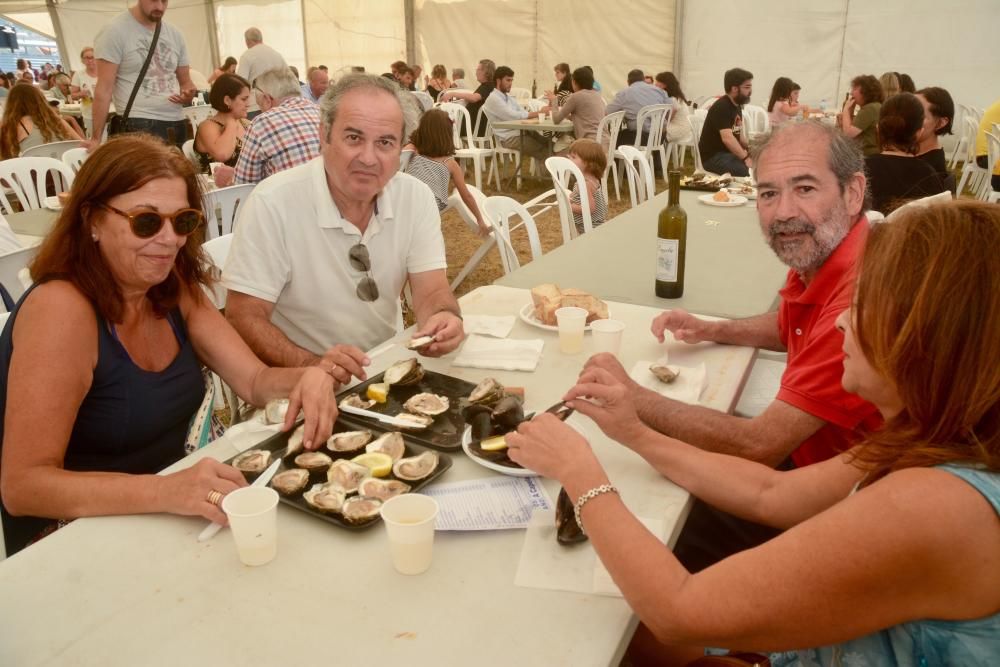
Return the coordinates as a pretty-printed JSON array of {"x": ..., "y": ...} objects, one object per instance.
[{"x": 546, "y": 298}]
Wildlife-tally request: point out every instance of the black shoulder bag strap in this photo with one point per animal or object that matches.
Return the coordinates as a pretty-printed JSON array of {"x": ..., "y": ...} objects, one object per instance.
[{"x": 142, "y": 74}]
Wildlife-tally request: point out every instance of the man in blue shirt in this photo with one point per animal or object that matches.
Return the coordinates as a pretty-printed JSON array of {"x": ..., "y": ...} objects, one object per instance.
[
  {"x": 317, "y": 82},
  {"x": 638, "y": 95}
]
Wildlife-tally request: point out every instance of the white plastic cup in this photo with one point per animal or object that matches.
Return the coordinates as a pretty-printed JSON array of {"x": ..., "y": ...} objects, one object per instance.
[
  {"x": 571, "y": 322},
  {"x": 542, "y": 116},
  {"x": 409, "y": 523},
  {"x": 607, "y": 336},
  {"x": 253, "y": 518}
]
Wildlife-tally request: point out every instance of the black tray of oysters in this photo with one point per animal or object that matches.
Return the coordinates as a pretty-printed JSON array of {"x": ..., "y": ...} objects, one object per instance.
[
  {"x": 406, "y": 390},
  {"x": 345, "y": 481}
]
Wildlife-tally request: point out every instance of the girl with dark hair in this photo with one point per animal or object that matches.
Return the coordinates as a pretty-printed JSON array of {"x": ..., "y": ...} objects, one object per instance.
[
  {"x": 939, "y": 112},
  {"x": 29, "y": 121},
  {"x": 228, "y": 67},
  {"x": 894, "y": 174},
  {"x": 679, "y": 129},
  {"x": 564, "y": 83},
  {"x": 220, "y": 137},
  {"x": 784, "y": 103},
  {"x": 889, "y": 554},
  {"x": 101, "y": 361},
  {"x": 433, "y": 163}
]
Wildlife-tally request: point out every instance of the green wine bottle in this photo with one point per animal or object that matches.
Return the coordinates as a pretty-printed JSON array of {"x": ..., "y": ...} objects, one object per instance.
[{"x": 671, "y": 244}]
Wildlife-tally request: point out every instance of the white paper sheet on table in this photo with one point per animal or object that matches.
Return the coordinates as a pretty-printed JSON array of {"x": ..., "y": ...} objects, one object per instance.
[
  {"x": 502, "y": 354},
  {"x": 686, "y": 388},
  {"x": 498, "y": 326},
  {"x": 576, "y": 568},
  {"x": 494, "y": 503}
]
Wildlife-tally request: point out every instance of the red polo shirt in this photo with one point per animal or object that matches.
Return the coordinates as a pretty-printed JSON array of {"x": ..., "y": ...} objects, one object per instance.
[{"x": 811, "y": 381}]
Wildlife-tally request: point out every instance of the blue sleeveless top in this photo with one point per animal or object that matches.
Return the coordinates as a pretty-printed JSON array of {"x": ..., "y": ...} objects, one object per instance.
[
  {"x": 926, "y": 643},
  {"x": 131, "y": 420}
]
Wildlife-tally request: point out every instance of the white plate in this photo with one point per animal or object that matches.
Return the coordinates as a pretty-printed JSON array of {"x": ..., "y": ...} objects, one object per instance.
[
  {"x": 504, "y": 470},
  {"x": 734, "y": 200},
  {"x": 735, "y": 192},
  {"x": 52, "y": 203},
  {"x": 527, "y": 315}
]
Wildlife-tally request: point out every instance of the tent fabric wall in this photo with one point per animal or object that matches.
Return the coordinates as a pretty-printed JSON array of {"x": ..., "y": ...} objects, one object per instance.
[
  {"x": 532, "y": 37},
  {"x": 40, "y": 21},
  {"x": 346, "y": 33},
  {"x": 280, "y": 21}
]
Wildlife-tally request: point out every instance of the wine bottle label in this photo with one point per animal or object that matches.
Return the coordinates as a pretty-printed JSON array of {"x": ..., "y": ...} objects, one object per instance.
[{"x": 666, "y": 259}]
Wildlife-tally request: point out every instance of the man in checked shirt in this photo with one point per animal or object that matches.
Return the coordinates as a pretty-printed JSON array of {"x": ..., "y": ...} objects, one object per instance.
[{"x": 284, "y": 135}]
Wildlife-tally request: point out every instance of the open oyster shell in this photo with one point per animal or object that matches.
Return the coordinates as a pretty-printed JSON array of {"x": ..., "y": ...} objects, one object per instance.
[
  {"x": 348, "y": 442},
  {"x": 290, "y": 482},
  {"x": 405, "y": 372},
  {"x": 355, "y": 401},
  {"x": 389, "y": 443},
  {"x": 327, "y": 498},
  {"x": 383, "y": 489},
  {"x": 275, "y": 410},
  {"x": 664, "y": 373},
  {"x": 347, "y": 475},
  {"x": 487, "y": 392},
  {"x": 252, "y": 462},
  {"x": 360, "y": 509},
  {"x": 415, "y": 468},
  {"x": 427, "y": 404}
]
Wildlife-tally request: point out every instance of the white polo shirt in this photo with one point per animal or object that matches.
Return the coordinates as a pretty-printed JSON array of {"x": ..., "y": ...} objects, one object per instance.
[{"x": 290, "y": 247}]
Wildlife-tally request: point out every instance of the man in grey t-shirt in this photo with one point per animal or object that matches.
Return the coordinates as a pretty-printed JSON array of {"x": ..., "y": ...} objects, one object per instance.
[
  {"x": 121, "y": 49},
  {"x": 257, "y": 59}
]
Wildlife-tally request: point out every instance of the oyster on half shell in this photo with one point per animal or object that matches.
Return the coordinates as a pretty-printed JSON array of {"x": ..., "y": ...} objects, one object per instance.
[
  {"x": 487, "y": 392},
  {"x": 427, "y": 404},
  {"x": 405, "y": 372},
  {"x": 290, "y": 482},
  {"x": 355, "y": 401},
  {"x": 348, "y": 442},
  {"x": 327, "y": 498},
  {"x": 664, "y": 373},
  {"x": 347, "y": 475},
  {"x": 415, "y": 468},
  {"x": 389, "y": 443},
  {"x": 361, "y": 509},
  {"x": 383, "y": 489},
  {"x": 275, "y": 410},
  {"x": 252, "y": 462}
]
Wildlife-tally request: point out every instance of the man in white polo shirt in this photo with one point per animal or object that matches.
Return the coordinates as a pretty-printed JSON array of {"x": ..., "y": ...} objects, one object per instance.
[{"x": 322, "y": 250}]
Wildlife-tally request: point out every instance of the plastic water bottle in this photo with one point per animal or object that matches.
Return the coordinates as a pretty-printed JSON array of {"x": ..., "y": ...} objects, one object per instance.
[{"x": 823, "y": 104}]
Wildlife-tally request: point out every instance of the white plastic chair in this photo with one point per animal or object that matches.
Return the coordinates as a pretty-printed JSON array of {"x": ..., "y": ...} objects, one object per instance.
[
  {"x": 979, "y": 179},
  {"x": 425, "y": 99},
  {"x": 188, "y": 150},
  {"x": 697, "y": 121},
  {"x": 11, "y": 264},
  {"x": 607, "y": 136},
  {"x": 657, "y": 116},
  {"x": 54, "y": 150},
  {"x": 24, "y": 178},
  {"x": 638, "y": 173},
  {"x": 217, "y": 250},
  {"x": 455, "y": 202},
  {"x": 992, "y": 159},
  {"x": 74, "y": 158},
  {"x": 967, "y": 130},
  {"x": 522, "y": 95},
  {"x": 460, "y": 118},
  {"x": 500, "y": 155},
  {"x": 561, "y": 169},
  {"x": 677, "y": 150},
  {"x": 221, "y": 208},
  {"x": 197, "y": 115},
  {"x": 755, "y": 120},
  {"x": 499, "y": 211}
]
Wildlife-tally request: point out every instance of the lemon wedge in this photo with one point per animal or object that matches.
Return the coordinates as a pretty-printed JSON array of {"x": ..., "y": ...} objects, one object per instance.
[
  {"x": 494, "y": 444},
  {"x": 380, "y": 464},
  {"x": 378, "y": 392}
]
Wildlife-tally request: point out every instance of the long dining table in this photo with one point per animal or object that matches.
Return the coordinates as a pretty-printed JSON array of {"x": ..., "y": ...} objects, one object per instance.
[
  {"x": 128, "y": 590},
  {"x": 730, "y": 272}
]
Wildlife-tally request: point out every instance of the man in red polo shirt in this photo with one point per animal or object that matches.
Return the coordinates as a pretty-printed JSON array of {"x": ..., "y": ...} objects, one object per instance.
[{"x": 811, "y": 201}]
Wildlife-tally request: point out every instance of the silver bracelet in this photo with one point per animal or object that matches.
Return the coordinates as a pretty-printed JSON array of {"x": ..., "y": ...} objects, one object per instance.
[{"x": 590, "y": 495}]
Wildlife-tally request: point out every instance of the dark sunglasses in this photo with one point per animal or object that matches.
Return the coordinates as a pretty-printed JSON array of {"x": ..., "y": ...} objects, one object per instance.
[
  {"x": 147, "y": 222},
  {"x": 360, "y": 260}
]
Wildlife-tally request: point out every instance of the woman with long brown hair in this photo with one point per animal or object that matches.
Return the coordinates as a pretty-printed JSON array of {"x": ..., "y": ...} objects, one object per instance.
[
  {"x": 101, "y": 360},
  {"x": 890, "y": 553},
  {"x": 28, "y": 121}
]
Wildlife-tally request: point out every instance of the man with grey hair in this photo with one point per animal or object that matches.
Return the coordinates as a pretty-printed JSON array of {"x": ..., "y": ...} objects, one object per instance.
[
  {"x": 284, "y": 135},
  {"x": 458, "y": 77},
  {"x": 475, "y": 100},
  {"x": 811, "y": 202},
  {"x": 257, "y": 59},
  {"x": 321, "y": 251}
]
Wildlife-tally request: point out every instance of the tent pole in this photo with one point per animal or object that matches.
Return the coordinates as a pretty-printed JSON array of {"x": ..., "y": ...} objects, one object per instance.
[
  {"x": 411, "y": 41},
  {"x": 678, "y": 25},
  {"x": 57, "y": 28},
  {"x": 305, "y": 37},
  {"x": 213, "y": 33},
  {"x": 843, "y": 45}
]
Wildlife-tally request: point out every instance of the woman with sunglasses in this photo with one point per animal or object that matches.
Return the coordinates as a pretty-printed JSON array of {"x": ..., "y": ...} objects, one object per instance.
[
  {"x": 890, "y": 553},
  {"x": 102, "y": 359}
]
